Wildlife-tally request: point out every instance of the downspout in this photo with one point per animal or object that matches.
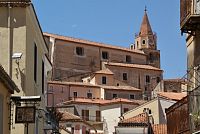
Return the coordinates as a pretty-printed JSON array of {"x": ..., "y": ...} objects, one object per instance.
[{"x": 9, "y": 42}]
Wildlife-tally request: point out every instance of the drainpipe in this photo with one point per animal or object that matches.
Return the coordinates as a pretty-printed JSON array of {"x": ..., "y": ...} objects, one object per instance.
[{"x": 9, "y": 42}]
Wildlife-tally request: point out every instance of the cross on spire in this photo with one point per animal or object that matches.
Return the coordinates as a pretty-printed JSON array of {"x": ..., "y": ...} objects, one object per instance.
[{"x": 145, "y": 8}]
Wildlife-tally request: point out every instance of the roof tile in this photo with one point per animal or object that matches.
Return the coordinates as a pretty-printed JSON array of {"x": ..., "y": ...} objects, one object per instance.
[
  {"x": 71, "y": 39},
  {"x": 172, "y": 95},
  {"x": 148, "y": 67},
  {"x": 159, "y": 128}
]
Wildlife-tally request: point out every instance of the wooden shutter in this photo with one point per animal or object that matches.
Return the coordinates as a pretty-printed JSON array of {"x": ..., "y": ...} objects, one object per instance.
[{"x": 98, "y": 116}]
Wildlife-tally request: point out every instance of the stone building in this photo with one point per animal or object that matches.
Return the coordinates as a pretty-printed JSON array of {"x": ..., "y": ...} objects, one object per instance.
[
  {"x": 23, "y": 54},
  {"x": 75, "y": 60}
]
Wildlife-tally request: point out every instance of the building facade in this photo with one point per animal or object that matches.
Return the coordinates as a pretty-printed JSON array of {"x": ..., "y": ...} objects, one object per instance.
[
  {"x": 23, "y": 54},
  {"x": 137, "y": 66},
  {"x": 103, "y": 115}
]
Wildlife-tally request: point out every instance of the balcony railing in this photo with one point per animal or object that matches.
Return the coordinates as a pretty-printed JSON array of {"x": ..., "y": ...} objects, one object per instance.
[
  {"x": 185, "y": 9},
  {"x": 92, "y": 118}
]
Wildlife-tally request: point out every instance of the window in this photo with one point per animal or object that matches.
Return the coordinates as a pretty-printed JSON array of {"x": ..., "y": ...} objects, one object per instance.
[
  {"x": 128, "y": 58},
  {"x": 85, "y": 115},
  {"x": 117, "y": 84},
  {"x": 132, "y": 96},
  {"x": 125, "y": 76},
  {"x": 75, "y": 94},
  {"x": 35, "y": 63},
  {"x": 42, "y": 77},
  {"x": 151, "y": 57},
  {"x": 104, "y": 80},
  {"x": 147, "y": 79},
  {"x": 114, "y": 95},
  {"x": 98, "y": 115},
  {"x": 158, "y": 79},
  {"x": 126, "y": 110},
  {"x": 104, "y": 55},
  {"x": 89, "y": 95},
  {"x": 80, "y": 51},
  {"x": 143, "y": 42}
]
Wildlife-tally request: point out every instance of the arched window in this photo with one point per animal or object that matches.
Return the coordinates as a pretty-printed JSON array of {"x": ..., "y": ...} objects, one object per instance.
[{"x": 143, "y": 42}]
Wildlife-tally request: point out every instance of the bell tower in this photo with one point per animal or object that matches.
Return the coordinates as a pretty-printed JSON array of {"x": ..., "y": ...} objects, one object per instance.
[{"x": 146, "y": 40}]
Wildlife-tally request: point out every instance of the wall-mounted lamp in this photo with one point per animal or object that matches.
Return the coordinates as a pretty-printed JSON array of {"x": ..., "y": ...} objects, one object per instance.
[{"x": 17, "y": 57}]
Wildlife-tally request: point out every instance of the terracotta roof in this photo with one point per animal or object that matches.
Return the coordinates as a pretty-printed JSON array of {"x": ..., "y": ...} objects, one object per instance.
[
  {"x": 127, "y": 88},
  {"x": 141, "y": 118},
  {"x": 105, "y": 71},
  {"x": 73, "y": 83},
  {"x": 147, "y": 67},
  {"x": 172, "y": 95},
  {"x": 99, "y": 101},
  {"x": 69, "y": 117},
  {"x": 145, "y": 28},
  {"x": 71, "y": 39},
  {"x": 159, "y": 128},
  {"x": 175, "y": 80}
]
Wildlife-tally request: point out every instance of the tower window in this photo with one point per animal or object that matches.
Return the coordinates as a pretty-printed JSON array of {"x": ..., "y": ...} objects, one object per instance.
[
  {"x": 125, "y": 76},
  {"x": 151, "y": 57},
  {"x": 143, "y": 42},
  {"x": 104, "y": 55},
  {"x": 128, "y": 58},
  {"x": 80, "y": 51},
  {"x": 103, "y": 80}
]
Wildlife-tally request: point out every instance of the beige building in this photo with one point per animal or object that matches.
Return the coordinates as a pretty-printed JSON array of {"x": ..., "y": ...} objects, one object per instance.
[
  {"x": 156, "y": 107},
  {"x": 22, "y": 53},
  {"x": 137, "y": 66},
  {"x": 62, "y": 91},
  {"x": 103, "y": 115},
  {"x": 7, "y": 87}
]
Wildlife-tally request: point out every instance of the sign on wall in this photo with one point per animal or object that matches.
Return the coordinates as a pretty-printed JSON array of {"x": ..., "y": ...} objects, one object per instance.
[{"x": 25, "y": 114}]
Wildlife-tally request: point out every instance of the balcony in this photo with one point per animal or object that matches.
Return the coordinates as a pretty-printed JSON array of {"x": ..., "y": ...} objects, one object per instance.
[
  {"x": 92, "y": 118},
  {"x": 189, "y": 16},
  {"x": 15, "y": 3}
]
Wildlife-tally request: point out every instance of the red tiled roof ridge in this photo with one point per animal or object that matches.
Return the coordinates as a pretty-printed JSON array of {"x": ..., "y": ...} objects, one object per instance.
[
  {"x": 172, "y": 95},
  {"x": 69, "y": 116},
  {"x": 140, "y": 118},
  {"x": 104, "y": 71},
  {"x": 91, "y": 42},
  {"x": 141, "y": 66},
  {"x": 99, "y": 101},
  {"x": 125, "y": 88},
  {"x": 130, "y": 88}
]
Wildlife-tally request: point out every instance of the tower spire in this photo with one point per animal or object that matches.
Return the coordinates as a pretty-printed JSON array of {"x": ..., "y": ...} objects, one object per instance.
[{"x": 145, "y": 28}]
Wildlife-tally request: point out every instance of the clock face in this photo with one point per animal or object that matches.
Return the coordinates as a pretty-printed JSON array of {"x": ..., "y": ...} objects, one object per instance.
[{"x": 197, "y": 7}]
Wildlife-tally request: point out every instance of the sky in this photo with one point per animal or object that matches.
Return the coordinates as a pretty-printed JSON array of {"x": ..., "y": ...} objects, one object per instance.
[{"x": 115, "y": 22}]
